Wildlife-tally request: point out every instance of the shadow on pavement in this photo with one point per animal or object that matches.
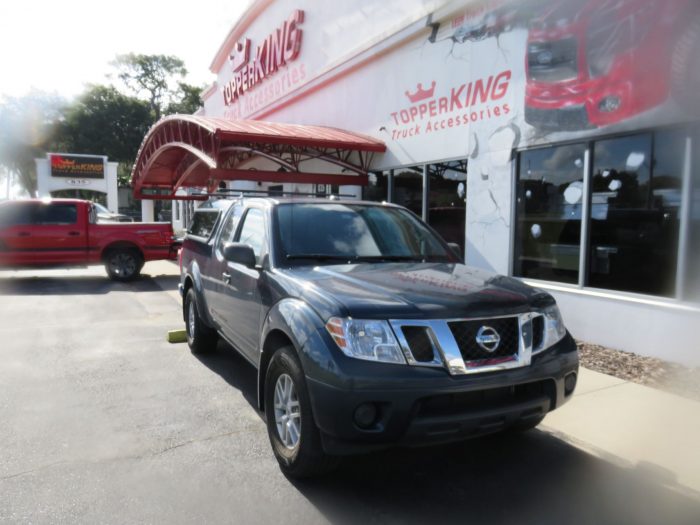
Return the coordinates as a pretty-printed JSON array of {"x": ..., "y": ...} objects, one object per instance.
[
  {"x": 83, "y": 285},
  {"x": 533, "y": 477},
  {"x": 235, "y": 370}
]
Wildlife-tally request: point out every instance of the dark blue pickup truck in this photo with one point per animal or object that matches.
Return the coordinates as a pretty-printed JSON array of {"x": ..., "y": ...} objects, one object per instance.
[{"x": 366, "y": 329}]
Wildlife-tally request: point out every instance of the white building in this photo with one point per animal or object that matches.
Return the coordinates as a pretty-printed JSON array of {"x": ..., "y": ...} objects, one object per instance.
[{"x": 554, "y": 140}]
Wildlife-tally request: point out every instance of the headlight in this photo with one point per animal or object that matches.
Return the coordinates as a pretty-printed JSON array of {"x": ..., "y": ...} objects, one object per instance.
[
  {"x": 554, "y": 329},
  {"x": 365, "y": 339}
]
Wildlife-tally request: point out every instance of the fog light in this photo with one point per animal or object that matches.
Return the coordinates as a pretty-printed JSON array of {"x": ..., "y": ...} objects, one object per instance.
[
  {"x": 569, "y": 383},
  {"x": 366, "y": 415},
  {"x": 609, "y": 104}
]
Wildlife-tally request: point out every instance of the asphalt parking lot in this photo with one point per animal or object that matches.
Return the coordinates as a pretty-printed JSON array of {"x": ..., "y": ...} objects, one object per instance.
[{"x": 103, "y": 421}]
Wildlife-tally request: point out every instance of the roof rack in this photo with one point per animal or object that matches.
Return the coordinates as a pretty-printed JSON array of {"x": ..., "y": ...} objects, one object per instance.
[{"x": 227, "y": 192}]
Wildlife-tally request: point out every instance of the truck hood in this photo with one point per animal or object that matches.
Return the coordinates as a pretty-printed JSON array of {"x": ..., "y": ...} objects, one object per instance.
[{"x": 411, "y": 290}]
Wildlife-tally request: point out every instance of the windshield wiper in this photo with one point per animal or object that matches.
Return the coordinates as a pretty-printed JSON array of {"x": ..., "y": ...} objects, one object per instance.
[
  {"x": 389, "y": 258},
  {"x": 355, "y": 258},
  {"x": 319, "y": 256}
]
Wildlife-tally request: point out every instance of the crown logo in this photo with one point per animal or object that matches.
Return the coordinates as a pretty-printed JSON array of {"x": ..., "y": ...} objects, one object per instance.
[
  {"x": 240, "y": 54},
  {"x": 421, "y": 93}
]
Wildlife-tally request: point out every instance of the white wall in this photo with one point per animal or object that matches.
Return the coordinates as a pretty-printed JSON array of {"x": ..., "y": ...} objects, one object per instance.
[
  {"x": 362, "y": 59},
  {"x": 639, "y": 325}
]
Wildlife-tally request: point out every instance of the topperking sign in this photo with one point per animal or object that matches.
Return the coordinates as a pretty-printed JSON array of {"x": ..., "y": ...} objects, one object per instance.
[
  {"x": 77, "y": 166},
  {"x": 281, "y": 47}
]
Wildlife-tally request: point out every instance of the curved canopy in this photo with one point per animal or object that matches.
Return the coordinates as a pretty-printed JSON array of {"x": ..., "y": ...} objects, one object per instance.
[{"x": 183, "y": 151}]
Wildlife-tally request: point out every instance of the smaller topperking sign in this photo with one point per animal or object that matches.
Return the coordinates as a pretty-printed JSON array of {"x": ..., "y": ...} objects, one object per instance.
[{"x": 77, "y": 166}]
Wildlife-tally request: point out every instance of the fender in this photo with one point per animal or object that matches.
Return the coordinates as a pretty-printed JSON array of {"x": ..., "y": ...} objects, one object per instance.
[
  {"x": 195, "y": 275},
  {"x": 296, "y": 321}
]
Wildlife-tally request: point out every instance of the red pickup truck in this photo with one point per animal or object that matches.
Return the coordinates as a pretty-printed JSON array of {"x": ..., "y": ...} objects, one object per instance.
[{"x": 65, "y": 232}]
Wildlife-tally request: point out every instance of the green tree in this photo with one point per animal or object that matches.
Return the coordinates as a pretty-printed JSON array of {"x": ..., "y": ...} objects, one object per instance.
[
  {"x": 27, "y": 126},
  {"x": 104, "y": 121},
  {"x": 154, "y": 76},
  {"x": 187, "y": 100}
]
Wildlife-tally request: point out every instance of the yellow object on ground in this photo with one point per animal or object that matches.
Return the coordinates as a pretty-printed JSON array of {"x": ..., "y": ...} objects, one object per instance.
[{"x": 177, "y": 336}]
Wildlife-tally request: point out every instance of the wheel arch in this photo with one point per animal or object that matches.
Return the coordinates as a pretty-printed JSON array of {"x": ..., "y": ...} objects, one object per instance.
[
  {"x": 193, "y": 280},
  {"x": 121, "y": 245},
  {"x": 288, "y": 323},
  {"x": 186, "y": 285}
]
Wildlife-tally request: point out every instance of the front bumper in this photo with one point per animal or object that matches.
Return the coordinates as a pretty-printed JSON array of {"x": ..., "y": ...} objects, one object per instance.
[{"x": 421, "y": 406}]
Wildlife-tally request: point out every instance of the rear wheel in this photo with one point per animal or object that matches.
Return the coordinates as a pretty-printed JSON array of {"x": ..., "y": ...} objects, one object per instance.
[
  {"x": 123, "y": 264},
  {"x": 295, "y": 439},
  {"x": 200, "y": 337}
]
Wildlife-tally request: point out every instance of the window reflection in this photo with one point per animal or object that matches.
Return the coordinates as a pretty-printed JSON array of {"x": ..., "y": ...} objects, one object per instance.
[
  {"x": 447, "y": 200},
  {"x": 408, "y": 189},
  {"x": 692, "y": 277},
  {"x": 634, "y": 213},
  {"x": 377, "y": 188},
  {"x": 253, "y": 232},
  {"x": 549, "y": 204}
]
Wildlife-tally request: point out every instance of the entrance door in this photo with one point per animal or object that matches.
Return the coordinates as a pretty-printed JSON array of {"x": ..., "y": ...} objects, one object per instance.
[
  {"x": 447, "y": 197},
  {"x": 446, "y": 187}
]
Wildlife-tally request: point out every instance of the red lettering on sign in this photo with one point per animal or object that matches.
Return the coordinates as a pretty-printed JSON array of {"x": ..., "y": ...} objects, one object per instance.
[{"x": 279, "y": 48}]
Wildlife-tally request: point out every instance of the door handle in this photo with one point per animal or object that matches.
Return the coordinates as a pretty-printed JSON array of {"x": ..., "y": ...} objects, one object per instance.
[
  {"x": 227, "y": 278},
  {"x": 23, "y": 234},
  {"x": 73, "y": 234}
]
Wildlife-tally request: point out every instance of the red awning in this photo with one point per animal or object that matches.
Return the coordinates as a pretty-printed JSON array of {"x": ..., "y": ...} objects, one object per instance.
[{"x": 183, "y": 151}]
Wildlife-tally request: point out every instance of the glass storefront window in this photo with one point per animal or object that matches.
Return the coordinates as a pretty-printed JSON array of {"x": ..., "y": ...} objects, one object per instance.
[
  {"x": 549, "y": 204},
  {"x": 691, "y": 288},
  {"x": 634, "y": 213},
  {"x": 377, "y": 187},
  {"x": 408, "y": 189},
  {"x": 447, "y": 201}
]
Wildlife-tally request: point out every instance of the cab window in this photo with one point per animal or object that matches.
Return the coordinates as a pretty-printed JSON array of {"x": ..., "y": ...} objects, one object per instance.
[
  {"x": 253, "y": 232},
  {"x": 228, "y": 229},
  {"x": 57, "y": 214}
]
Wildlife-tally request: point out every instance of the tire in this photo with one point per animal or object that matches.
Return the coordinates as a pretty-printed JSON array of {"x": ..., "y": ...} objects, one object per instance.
[
  {"x": 296, "y": 441},
  {"x": 200, "y": 338},
  {"x": 123, "y": 264}
]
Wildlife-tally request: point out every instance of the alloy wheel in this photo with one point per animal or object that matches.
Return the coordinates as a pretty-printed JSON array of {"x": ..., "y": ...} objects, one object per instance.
[
  {"x": 123, "y": 264},
  {"x": 287, "y": 412}
]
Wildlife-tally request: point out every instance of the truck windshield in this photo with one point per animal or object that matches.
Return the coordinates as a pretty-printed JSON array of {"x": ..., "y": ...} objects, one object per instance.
[{"x": 335, "y": 232}]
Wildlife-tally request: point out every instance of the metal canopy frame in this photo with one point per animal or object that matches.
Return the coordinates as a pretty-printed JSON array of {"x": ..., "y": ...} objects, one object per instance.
[{"x": 183, "y": 151}]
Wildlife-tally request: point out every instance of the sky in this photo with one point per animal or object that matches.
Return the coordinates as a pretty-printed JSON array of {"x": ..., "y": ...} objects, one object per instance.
[{"x": 60, "y": 46}]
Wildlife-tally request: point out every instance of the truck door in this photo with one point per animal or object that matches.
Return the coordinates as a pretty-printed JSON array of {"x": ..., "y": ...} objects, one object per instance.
[
  {"x": 16, "y": 241},
  {"x": 59, "y": 233},
  {"x": 212, "y": 275},
  {"x": 241, "y": 294}
]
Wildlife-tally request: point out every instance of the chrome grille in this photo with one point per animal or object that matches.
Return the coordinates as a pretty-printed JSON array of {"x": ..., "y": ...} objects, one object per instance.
[
  {"x": 452, "y": 343},
  {"x": 419, "y": 342},
  {"x": 537, "y": 332},
  {"x": 465, "y": 334}
]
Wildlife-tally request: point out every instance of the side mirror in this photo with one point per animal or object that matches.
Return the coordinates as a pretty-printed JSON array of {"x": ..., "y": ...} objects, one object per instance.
[
  {"x": 456, "y": 249},
  {"x": 237, "y": 252}
]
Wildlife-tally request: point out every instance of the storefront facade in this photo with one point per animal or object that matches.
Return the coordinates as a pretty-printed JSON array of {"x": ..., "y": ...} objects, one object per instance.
[{"x": 555, "y": 141}]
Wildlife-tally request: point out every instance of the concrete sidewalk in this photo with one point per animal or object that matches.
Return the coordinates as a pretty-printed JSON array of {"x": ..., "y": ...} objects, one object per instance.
[{"x": 639, "y": 427}]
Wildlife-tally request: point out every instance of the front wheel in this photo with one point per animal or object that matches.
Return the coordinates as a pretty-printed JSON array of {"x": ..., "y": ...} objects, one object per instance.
[
  {"x": 123, "y": 265},
  {"x": 293, "y": 434}
]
